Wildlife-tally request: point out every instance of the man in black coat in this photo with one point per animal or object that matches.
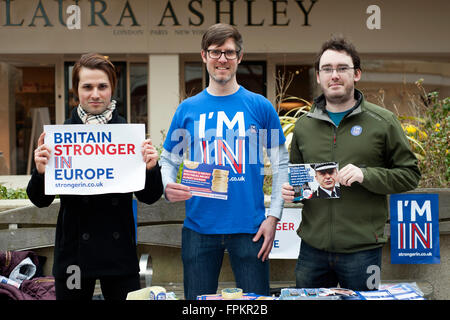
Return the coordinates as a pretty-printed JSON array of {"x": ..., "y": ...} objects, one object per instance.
[{"x": 95, "y": 234}]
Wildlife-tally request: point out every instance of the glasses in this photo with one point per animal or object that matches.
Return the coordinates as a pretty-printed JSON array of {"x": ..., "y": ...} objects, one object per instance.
[
  {"x": 339, "y": 70},
  {"x": 229, "y": 54}
]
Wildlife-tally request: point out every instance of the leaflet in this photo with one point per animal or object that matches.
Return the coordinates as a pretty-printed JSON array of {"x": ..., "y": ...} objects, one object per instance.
[
  {"x": 314, "y": 181},
  {"x": 206, "y": 180}
]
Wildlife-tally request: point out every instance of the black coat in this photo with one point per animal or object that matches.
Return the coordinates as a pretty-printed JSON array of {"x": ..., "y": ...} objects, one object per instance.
[
  {"x": 96, "y": 232},
  {"x": 320, "y": 194}
]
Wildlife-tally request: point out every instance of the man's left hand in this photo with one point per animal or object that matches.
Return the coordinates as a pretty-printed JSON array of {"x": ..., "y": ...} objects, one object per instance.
[{"x": 267, "y": 230}]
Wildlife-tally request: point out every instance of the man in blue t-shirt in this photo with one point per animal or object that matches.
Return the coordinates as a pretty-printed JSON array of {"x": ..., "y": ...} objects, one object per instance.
[{"x": 226, "y": 125}]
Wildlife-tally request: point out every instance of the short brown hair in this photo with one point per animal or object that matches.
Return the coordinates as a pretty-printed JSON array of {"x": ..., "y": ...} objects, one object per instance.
[
  {"x": 339, "y": 43},
  {"x": 219, "y": 33},
  {"x": 94, "y": 61}
]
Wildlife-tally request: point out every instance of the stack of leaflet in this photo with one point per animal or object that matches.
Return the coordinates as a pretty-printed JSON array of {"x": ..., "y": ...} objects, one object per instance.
[
  {"x": 245, "y": 296},
  {"x": 399, "y": 291},
  {"x": 234, "y": 294},
  {"x": 309, "y": 294}
]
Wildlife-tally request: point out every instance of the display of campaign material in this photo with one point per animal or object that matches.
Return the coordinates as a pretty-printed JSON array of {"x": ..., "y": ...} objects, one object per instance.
[
  {"x": 244, "y": 296},
  {"x": 400, "y": 291},
  {"x": 314, "y": 180},
  {"x": 414, "y": 228},
  {"x": 393, "y": 291},
  {"x": 309, "y": 294},
  {"x": 206, "y": 180}
]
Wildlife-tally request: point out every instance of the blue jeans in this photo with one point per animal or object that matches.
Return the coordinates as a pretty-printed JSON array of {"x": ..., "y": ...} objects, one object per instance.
[
  {"x": 321, "y": 269},
  {"x": 202, "y": 256}
]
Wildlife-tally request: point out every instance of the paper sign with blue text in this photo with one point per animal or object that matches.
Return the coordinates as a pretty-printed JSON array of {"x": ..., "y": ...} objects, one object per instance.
[
  {"x": 94, "y": 159},
  {"x": 286, "y": 244},
  {"x": 414, "y": 228}
]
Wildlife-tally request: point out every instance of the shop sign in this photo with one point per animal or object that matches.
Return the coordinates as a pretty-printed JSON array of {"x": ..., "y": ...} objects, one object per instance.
[{"x": 190, "y": 13}]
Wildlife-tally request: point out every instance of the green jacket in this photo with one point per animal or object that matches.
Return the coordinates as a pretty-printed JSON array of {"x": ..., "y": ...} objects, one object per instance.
[{"x": 371, "y": 138}]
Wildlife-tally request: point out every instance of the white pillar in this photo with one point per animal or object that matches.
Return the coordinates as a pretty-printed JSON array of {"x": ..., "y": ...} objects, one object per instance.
[
  {"x": 10, "y": 77},
  {"x": 163, "y": 93}
]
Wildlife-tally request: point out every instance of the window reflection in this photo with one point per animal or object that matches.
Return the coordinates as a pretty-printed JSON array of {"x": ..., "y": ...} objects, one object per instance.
[
  {"x": 193, "y": 82},
  {"x": 138, "y": 92},
  {"x": 252, "y": 76}
]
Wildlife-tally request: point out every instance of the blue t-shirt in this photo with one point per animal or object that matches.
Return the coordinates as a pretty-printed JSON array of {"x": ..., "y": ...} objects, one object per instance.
[{"x": 234, "y": 127}]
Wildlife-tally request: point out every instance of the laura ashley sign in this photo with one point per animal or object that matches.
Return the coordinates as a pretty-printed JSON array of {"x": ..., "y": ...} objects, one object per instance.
[
  {"x": 166, "y": 13},
  {"x": 176, "y": 26}
]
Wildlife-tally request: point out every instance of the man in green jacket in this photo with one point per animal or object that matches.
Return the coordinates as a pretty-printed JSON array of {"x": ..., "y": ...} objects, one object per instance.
[{"x": 342, "y": 237}]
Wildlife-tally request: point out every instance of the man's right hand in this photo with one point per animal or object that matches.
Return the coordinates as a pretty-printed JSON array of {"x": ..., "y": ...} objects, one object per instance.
[
  {"x": 287, "y": 192},
  {"x": 177, "y": 192}
]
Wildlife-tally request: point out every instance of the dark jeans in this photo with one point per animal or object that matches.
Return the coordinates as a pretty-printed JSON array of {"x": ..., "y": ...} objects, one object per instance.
[
  {"x": 202, "y": 260},
  {"x": 113, "y": 288},
  {"x": 320, "y": 269}
]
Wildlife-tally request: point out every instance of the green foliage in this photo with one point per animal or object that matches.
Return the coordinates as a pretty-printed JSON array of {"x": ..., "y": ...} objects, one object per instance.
[
  {"x": 289, "y": 119},
  {"x": 267, "y": 185},
  {"x": 180, "y": 172},
  {"x": 428, "y": 133},
  {"x": 8, "y": 193},
  {"x": 160, "y": 147}
]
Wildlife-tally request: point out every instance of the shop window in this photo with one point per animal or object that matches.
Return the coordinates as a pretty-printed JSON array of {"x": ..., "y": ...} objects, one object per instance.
[
  {"x": 251, "y": 75},
  {"x": 120, "y": 93},
  {"x": 293, "y": 82},
  {"x": 138, "y": 92},
  {"x": 193, "y": 81},
  {"x": 36, "y": 92}
]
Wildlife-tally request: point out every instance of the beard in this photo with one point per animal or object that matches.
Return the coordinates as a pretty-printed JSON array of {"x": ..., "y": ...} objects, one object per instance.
[
  {"x": 340, "y": 98},
  {"x": 222, "y": 80}
]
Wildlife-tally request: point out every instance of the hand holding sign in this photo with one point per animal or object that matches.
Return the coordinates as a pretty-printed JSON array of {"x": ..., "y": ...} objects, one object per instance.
[
  {"x": 41, "y": 154},
  {"x": 149, "y": 153},
  {"x": 287, "y": 192}
]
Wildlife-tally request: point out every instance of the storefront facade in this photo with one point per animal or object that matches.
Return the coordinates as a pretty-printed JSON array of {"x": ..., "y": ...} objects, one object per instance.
[{"x": 156, "y": 48}]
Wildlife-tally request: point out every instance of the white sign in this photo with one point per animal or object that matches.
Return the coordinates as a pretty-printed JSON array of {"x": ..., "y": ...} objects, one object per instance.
[
  {"x": 94, "y": 159},
  {"x": 286, "y": 244}
]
